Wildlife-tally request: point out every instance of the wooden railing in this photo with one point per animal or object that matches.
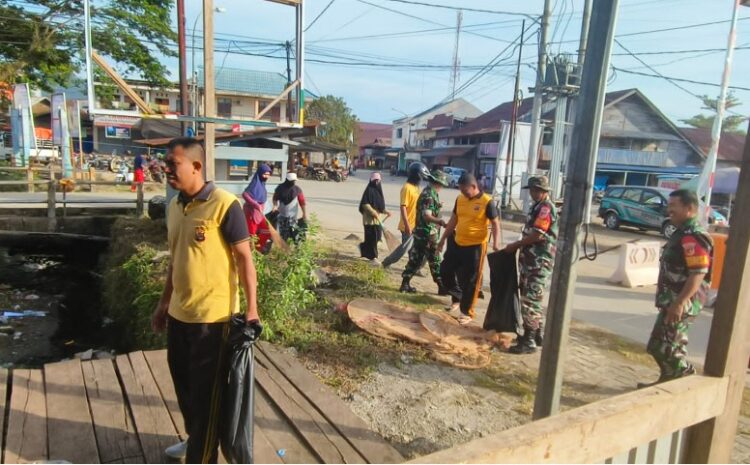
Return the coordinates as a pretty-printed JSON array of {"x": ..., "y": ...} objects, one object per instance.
[
  {"x": 52, "y": 185},
  {"x": 644, "y": 426}
]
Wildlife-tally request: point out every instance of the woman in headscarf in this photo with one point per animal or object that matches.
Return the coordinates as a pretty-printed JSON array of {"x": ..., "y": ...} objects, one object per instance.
[
  {"x": 288, "y": 199},
  {"x": 371, "y": 207},
  {"x": 255, "y": 196}
]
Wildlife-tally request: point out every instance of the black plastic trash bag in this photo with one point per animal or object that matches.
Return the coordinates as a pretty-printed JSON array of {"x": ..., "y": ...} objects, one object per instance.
[
  {"x": 504, "y": 312},
  {"x": 237, "y": 417}
]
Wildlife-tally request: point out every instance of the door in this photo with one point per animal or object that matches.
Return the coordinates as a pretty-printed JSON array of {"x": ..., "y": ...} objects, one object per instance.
[
  {"x": 630, "y": 205},
  {"x": 652, "y": 209}
]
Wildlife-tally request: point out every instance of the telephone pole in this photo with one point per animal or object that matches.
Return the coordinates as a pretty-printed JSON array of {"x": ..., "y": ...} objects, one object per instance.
[
  {"x": 536, "y": 110},
  {"x": 209, "y": 85},
  {"x": 455, "y": 72},
  {"x": 183, "y": 61},
  {"x": 585, "y": 144},
  {"x": 289, "y": 116}
]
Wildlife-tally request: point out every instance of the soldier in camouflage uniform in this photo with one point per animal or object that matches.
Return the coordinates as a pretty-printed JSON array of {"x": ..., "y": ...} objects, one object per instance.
[
  {"x": 426, "y": 233},
  {"x": 535, "y": 261},
  {"x": 684, "y": 280}
]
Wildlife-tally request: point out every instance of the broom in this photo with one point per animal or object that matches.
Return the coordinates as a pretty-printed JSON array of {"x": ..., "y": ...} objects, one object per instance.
[{"x": 390, "y": 238}]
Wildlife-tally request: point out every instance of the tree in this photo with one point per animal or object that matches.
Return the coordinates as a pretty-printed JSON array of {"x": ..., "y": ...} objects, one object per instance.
[
  {"x": 42, "y": 41},
  {"x": 731, "y": 123},
  {"x": 340, "y": 124}
]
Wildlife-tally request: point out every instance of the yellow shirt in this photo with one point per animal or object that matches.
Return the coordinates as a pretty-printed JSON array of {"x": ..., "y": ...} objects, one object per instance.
[
  {"x": 473, "y": 221},
  {"x": 409, "y": 197},
  {"x": 204, "y": 275}
]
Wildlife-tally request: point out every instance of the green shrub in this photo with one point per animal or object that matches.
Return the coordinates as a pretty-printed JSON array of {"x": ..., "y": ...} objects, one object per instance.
[
  {"x": 131, "y": 291},
  {"x": 285, "y": 282}
]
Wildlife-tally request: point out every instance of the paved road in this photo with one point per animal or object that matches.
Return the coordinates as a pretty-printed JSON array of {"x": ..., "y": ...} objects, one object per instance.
[{"x": 627, "y": 312}]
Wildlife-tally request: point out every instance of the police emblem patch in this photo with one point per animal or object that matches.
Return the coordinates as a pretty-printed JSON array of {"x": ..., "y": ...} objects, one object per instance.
[{"x": 200, "y": 233}]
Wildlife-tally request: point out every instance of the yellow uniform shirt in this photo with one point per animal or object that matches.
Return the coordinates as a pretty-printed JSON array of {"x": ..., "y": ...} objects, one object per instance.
[
  {"x": 474, "y": 217},
  {"x": 409, "y": 197},
  {"x": 204, "y": 275}
]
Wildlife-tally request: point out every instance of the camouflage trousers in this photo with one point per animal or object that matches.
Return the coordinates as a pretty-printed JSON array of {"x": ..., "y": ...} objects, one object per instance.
[
  {"x": 424, "y": 249},
  {"x": 534, "y": 275},
  {"x": 668, "y": 342}
]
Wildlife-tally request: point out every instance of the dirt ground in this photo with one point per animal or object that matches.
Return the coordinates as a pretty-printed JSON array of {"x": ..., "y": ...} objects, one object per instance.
[{"x": 421, "y": 406}]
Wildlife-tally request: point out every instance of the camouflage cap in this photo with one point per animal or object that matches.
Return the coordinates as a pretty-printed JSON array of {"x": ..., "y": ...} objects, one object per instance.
[
  {"x": 439, "y": 176},
  {"x": 538, "y": 182}
]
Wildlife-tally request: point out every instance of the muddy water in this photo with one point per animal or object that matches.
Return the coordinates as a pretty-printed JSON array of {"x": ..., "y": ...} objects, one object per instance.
[{"x": 66, "y": 289}]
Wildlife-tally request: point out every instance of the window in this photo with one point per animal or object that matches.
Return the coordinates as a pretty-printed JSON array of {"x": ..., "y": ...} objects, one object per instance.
[
  {"x": 616, "y": 192},
  {"x": 652, "y": 199},
  {"x": 399, "y": 133},
  {"x": 224, "y": 106},
  {"x": 634, "y": 195}
]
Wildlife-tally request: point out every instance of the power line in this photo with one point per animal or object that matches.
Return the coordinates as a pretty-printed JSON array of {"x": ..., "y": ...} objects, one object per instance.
[
  {"x": 450, "y": 29},
  {"x": 427, "y": 20},
  {"x": 672, "y": 79},
  {"x": 475, "y": 10},
  {"x": 675, "y": 52},
  {"x": 319, "y": 15}
]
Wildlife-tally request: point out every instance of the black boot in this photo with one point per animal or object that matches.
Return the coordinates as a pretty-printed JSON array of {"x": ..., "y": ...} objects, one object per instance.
[
  {"x": 664, "y": 378},
  {"x": 539, "y": 336},
  {"x": 406, "y": 287},
  {"x": 524, "y": 344}
]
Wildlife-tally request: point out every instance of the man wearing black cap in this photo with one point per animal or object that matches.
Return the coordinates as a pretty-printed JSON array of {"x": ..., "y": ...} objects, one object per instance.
[{"x": 538, "y": 246}]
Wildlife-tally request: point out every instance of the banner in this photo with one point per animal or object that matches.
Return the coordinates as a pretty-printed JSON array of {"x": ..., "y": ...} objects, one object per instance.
[
  {"x": 27, "y": 138},
  {"x": 74, "y": 118},
  {"x": 58, "y": 104}
]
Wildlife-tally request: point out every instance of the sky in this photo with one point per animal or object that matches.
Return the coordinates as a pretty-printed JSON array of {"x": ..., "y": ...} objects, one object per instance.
[{"x": 407, "y": 34}]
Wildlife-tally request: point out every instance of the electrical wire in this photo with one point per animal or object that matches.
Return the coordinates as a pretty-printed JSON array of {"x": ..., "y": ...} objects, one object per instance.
[
  {"x": 474, "y": 10},
  {"x": 319, "y": 15}
]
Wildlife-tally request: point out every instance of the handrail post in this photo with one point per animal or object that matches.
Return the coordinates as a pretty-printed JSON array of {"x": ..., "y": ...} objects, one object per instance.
[
  {"x": 51, "y": 219},
  {"x": 139, "y": 200},
  {"x": 30, "y": 178}
]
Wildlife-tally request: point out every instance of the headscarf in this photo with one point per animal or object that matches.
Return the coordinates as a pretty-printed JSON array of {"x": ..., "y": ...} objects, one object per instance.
[
  {"x": 287, "y": 191},
  {"x": 373, "y": 195},
  {"x": 257, "y": 187}
]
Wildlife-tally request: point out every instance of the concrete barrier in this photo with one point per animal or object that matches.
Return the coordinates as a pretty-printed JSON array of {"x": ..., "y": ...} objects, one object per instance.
[{"x": 638, "y": 264}]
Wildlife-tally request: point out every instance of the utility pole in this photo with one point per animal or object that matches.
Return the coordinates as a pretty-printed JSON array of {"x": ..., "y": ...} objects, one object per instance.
[
  {"x": 289, "y": 110},
  {"x": 536, "y": 110},
  {"x": 183, "y": 61},
  {"x": 89, "y": 65},
  {"x": 455, "y": 72},
  {"x": 706, "y": 182},
  {"x": 209, "y": 141},
  {"x": 585, "y": 143},
  {"x": 508, "y": 185}
]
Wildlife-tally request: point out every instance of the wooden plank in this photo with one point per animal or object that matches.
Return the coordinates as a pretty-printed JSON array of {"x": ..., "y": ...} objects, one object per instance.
[
  {"x": 122, "y": 84},
  {"x": 302, "y": 422},
  {"x": 4, "y": 379},
  {"x": 263, "y": 451},
  {"x": 367, "y": 442},
  {"x": 279, "y": 433},
  {"x": 337, "y": 448},
  {"x": 152, "y": 421},
  {"x": 26, "y": 440},
  {"x": 728, "y": 345},
  {"x": 157, "y": 362},
  {"x": 113, "y": 422},
  {"x": 585, "y": 434},
  {"x": 70, "y": 431}
]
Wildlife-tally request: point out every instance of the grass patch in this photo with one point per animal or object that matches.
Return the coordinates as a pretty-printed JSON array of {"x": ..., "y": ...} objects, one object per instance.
[
  {"x": 520, "y": 384},
  {"x": 605, "y": 340},
  {"x": 14, "y": 175}
]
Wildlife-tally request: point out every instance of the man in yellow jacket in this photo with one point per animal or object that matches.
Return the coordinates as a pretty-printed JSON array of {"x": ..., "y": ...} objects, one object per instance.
[
  {"x": 210, "y": 258},
  {"x": 472, "y": 215}
]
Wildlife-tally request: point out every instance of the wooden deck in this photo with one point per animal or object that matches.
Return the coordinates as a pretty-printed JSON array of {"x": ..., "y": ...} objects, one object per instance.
[{"x": 125, "y": 411}]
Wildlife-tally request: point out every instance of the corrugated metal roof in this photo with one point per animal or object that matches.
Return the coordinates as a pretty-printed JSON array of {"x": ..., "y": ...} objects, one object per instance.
[{"x": 249, "y": 81}]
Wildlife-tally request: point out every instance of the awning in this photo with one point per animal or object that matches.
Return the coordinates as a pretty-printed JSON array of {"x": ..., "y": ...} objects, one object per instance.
[
  {"x": 448, "y": 152},
  {"x": 648, "y": 169},
  {"x": 119, "y": 121}
]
